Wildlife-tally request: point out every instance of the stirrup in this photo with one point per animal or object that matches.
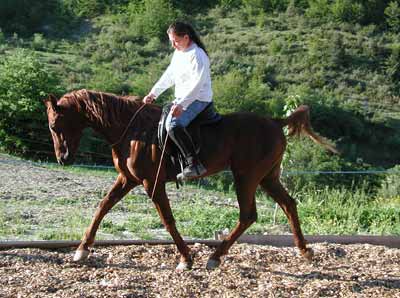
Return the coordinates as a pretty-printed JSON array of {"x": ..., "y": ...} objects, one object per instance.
[{"x": 192, "y": 172}]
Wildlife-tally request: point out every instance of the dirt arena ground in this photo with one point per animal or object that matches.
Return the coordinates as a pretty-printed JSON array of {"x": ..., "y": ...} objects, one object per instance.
[{"x": 248, "y": 271}]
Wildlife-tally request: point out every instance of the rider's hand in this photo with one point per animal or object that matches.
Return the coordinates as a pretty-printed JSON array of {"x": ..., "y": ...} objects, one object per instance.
[
  {"x": 149, "y": 98},
  {"x": 176, "y": 110}
]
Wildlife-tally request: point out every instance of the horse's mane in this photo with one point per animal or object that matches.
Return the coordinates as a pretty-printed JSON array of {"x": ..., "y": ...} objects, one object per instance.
[{"x": 102, "y": 107}]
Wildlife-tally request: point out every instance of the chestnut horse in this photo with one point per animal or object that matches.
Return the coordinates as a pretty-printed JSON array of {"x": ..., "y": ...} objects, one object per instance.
[{"x": 250, "y": 145}]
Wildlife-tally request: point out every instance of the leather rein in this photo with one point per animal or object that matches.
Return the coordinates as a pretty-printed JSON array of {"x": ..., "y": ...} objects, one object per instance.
[
  {"x": 162, "y": 153},
  {"x": 129, "y": 124}
]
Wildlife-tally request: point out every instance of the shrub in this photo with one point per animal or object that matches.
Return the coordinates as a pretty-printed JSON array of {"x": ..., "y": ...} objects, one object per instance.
[
  {"x": 235, "y": 91},
  {"x": 318, "y": 9},
  {"x": 392, "y": 13},
  {"x": 24, "y": 82},
  {"x": 38, "y": 42},
  {"x": 392, "y": 63},
  {"x": 91, "y": 8},
  {"x": 151, "y": 18},
  {"x": 347, "y": 11},
  {"x": 108, "y": 80},
  {"x": 390, "y": 187}
]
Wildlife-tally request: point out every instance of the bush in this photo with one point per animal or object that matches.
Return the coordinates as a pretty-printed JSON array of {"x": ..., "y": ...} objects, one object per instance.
[
  {"x": 24, "y": 82},
  {"x": 107, "y": 80},
  {"x": 91, "y": 8},
  {"x": 151, "y": 18},
  {"x": 390, "y": 187},
  {"x": 392, "y": 13},
  {"x": 392, "y": 63},
  {"x": 38, "y": 42},
  {"x": 235, "y": 91},
  {"x": 318, "y": 9},
  {"x": 347, "y": 11}
]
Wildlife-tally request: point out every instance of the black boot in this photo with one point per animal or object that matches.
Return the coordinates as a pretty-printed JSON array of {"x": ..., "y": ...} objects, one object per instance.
[{"x": 183, "y": 140}]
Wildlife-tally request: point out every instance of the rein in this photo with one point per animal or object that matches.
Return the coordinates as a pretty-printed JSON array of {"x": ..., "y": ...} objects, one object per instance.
[
  {"x": 129, "y": 124},
  {"x": 159, "y": 168},
  {"x": 162, "y": 153}
]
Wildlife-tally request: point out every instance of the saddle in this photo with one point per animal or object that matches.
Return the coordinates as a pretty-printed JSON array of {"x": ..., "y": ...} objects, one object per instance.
[{"x": 206, "y": 117}]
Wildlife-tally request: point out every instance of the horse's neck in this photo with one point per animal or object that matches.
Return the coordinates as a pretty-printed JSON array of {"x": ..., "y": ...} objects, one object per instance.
[{"x": 117, "y": 118}]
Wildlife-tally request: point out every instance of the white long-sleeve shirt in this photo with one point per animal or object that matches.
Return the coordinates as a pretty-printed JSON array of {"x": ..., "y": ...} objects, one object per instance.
[{"x": 189, "y": 71}]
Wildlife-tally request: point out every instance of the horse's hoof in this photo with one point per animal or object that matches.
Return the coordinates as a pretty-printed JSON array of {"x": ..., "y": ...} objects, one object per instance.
[
  {"x": 81, "y": 255},
  {"x": 308, "y": 253},
  {"x": 213, "y": 264},
  {"x": 183, "y": 266}
]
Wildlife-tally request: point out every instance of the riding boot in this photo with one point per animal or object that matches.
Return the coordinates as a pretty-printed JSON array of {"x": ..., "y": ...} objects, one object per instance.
[{"x": 183, "y": 140}]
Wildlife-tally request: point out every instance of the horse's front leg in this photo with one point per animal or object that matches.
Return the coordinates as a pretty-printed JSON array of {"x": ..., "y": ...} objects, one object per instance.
[
  {"x": 120, "y": 188},
  {"x": 163, "y": 207}
]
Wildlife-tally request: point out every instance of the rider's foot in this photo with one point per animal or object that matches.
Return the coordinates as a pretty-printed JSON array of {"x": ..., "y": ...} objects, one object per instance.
[{"x": 192, "y": 172}]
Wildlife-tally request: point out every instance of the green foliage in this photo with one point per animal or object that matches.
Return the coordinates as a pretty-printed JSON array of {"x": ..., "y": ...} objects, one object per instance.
[
  {"x": 24, "y": 82},
  {"x": 200, "y": 219},
  {"x": 107, "y": 79},
  {"x": 38, "y": 42},
  {"x": 246, "y": 93},
  {"x": 91, "y": 8},
  {"x": 340, "y": 211},
  {"x": 390, "y": 187},
  {"x": 318, "y": 9},
  {"x": 392, "y": 63},
  {"x": 363, "y": 12},
  {"x": 229, "y": 4},
  {"x": 392, "y": 13},
  {"x": 151, "y": 18},
  {"x": 261, "y": 58},
  {"x": 347, "y": 11},
  {"x": 222, "y": 181}
]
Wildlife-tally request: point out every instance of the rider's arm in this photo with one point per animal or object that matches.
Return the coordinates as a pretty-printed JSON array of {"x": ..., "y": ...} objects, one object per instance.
[{"x": 166, "y": 81}]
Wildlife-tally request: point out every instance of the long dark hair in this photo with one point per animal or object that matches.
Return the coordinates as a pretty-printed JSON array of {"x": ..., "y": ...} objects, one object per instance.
[{"x": 181, "y": 29}]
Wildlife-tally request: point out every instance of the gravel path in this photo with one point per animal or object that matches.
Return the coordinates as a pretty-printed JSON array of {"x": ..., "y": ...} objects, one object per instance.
[
  {"x": 22, "y": 179},
  {"x": 27, "y": 180}
]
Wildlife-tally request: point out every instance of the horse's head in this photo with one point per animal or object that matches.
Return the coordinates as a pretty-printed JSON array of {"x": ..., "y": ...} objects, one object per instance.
[{"x": 66, "y": 129}]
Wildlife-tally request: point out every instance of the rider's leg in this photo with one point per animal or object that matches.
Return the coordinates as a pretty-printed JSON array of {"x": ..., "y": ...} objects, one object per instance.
[{"x": 177, "y": 132}]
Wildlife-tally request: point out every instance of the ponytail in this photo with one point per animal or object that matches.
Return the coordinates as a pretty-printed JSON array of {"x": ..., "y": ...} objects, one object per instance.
[{"x": 182, "y": 29}]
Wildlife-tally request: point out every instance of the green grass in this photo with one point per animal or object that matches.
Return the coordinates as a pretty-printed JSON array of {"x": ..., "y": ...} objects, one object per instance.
[
  {"x": 199, "y": 212},
  {"x": 333, "y": 211}
]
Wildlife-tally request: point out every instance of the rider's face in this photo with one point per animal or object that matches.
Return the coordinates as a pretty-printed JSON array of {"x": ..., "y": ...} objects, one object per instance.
[{"x": 179, "y": 43}]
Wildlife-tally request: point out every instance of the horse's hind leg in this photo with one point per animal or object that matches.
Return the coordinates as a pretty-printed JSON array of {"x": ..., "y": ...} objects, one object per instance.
[
  {"x": 163, "y": 207},
  {"x": 275, "y": 189},
  {"x": 120, "y": 188},
  {"x": 245, "y": 190}
]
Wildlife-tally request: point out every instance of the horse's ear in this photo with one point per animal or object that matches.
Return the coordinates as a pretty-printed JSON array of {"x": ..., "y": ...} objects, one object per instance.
[{"x": 51, "y": 102}]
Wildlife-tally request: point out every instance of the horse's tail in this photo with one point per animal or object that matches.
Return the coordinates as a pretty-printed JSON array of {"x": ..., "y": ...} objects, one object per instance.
[{"x": 299, "y": 122}]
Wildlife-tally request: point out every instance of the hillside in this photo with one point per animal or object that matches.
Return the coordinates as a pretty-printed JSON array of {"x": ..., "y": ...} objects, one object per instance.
[{"x": 265, "y": 59}]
